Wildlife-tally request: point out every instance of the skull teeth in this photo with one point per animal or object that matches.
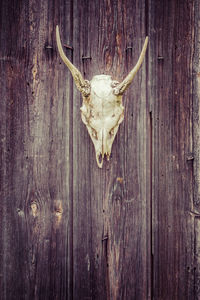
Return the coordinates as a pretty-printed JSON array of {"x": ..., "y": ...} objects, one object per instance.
[{"x": 100, "y": 158}]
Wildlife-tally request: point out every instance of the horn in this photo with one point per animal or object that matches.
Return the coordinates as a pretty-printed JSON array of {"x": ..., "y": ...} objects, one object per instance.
[
  {"x": 82, "y": 84},
  {"x": 121, "y": 87}
]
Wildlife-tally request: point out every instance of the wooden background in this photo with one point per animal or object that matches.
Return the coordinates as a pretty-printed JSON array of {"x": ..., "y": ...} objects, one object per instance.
[{"x": 69, "y": 230}]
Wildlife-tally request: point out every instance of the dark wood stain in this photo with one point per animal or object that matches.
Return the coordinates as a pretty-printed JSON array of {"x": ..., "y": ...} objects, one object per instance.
[{"x": 69, "y": 230}]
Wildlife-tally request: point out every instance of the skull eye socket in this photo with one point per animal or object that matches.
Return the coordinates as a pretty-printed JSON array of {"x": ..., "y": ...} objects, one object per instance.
[
  {"x": 111, "y": 132},
  {"x": 94, "y": 133}
]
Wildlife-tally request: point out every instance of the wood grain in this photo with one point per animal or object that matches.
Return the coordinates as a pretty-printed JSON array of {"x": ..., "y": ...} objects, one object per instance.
[
  {"x": 172, "y": 175},
  {"x": 196, "y": 153},
  {"x": 36, "y": 130},
  {"x": 69, "y": 230}
]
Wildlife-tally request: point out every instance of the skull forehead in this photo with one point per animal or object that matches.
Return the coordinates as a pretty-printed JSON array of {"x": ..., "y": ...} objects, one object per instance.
[{"x": 101, "y": 86}]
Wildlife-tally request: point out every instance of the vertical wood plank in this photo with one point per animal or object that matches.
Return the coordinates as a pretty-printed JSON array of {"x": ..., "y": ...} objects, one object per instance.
[
  {"x": 81, "y": 177},
  {"x": 196, "y": 154},
  {"x": 170, "y": 78},
  {"x": 196, "y": 107},
  {"x": 197, "y": 258}
]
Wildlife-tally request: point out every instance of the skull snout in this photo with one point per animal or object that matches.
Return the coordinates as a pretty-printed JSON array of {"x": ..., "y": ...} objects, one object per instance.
[{"x": 104, "y": 147}]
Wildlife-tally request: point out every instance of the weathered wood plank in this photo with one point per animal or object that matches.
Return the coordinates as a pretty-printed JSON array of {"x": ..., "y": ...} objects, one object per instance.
[
  {"x": 196, "y": 108},
  {"x": 197, "y": 258},
  {"x": 170, "y": 77},
  {"x": 196, "y": 152}
]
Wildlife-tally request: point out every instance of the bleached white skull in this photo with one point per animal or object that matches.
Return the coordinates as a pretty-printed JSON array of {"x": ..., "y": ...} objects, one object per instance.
[{"x": 102, "y": 110}]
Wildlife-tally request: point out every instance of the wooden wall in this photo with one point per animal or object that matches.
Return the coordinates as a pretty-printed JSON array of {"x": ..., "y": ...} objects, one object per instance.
[{"x": 69, "y": 230}]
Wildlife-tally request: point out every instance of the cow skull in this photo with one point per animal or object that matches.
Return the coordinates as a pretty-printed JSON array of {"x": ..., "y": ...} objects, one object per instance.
[{"x": 102, "y": 110}]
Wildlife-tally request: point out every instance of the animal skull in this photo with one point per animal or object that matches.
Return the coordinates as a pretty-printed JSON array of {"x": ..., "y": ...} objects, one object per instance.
[{"x": 102, "y": 110}]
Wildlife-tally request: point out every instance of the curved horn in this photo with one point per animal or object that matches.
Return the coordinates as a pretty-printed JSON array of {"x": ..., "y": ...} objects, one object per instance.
[
  {"x": 82, "y": 84},
  {"x": 121, "y": 87}
]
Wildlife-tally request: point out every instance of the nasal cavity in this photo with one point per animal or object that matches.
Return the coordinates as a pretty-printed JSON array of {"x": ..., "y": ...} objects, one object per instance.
[{"x": 100, "y": 159}]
